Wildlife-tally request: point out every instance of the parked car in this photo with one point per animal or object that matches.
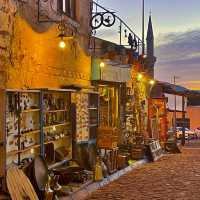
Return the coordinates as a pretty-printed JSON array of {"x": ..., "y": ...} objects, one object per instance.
[
  {"x": 189, "y": 134},
  {"x": 197, "y": 132}
]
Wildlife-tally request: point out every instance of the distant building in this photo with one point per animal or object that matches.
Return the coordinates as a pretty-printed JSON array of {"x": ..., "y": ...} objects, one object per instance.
[
  {"x": 193, "y": 111},
  {"x": 151, "y": 59}
]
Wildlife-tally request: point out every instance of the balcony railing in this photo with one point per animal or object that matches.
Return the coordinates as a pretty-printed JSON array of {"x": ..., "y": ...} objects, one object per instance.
[{"x": 107, "y": 25}]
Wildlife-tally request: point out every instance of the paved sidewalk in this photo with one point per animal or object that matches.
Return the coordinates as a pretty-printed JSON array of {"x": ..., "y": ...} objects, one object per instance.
[{"x": 173, "y": 177}]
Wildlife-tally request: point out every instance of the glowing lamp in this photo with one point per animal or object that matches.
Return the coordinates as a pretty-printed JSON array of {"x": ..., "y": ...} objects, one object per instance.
[
  {"x": 102, "y": 65},
  {"x": 140, "y": 76},
  {"x": 62, "y": 44},
  {"x": 32, "y": 151},
  {"x": 151, "y": 82}
]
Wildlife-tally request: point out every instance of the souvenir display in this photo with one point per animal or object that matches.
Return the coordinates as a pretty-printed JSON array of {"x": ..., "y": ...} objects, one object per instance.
[
  {"x": 129, "y": 111},
  {"x": 23, "y": 119},
  {"x": 82, "y": 117},
  {"x": 93, "y": 114},
  {"x": 109, "y": 105},
  {"x": 22, "y": 124},
  {"x": 56, "y": 119},
  {"x": 87, "y": 118}
]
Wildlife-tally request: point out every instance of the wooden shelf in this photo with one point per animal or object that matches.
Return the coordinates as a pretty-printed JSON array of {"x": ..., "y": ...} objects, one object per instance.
[
  {"x": 51, "y": 141},
  {"x": 23, "y": 91},
  {"x": 30, "y": 110},
  {"x": 23, "y": 150},
  {"x": 55, "y": 111},
  {"x": 92, "y": 108},
  {"x": 57, "y": 125},
  {"x": 29, "y": 148},
  {"x": 30, "y": 132},
  {"x": 93, "y": 125},
  {"x": 10, "y": 153},
  {"x": 128, "y": 115}
]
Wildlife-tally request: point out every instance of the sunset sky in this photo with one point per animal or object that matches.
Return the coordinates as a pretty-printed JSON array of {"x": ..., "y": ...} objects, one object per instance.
[{"x": 177, "y": 35}]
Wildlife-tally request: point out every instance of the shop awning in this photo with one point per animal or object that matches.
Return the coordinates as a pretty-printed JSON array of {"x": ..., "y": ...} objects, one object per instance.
[
  {"x": 112, "y": 71},
  {"x": 170, "y": 88}
]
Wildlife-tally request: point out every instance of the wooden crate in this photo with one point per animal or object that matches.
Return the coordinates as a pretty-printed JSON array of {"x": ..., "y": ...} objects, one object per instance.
[
  {"x": 137, "y": 153},
  {"x": 107, "y": 142},
  {"x": 107, "y": 137}
]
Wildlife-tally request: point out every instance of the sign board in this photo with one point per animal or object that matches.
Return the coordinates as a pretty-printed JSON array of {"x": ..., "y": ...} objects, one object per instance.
[
  {"x": 115, "y": 74},
  {"x": 111, "y": 72}
]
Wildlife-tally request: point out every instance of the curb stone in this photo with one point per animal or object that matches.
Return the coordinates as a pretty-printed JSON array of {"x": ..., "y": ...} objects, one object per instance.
[{"x": 84, "y": 192}]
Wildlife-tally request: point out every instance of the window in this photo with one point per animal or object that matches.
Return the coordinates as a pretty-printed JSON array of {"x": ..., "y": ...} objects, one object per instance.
[{"x": 67, "y": 7}]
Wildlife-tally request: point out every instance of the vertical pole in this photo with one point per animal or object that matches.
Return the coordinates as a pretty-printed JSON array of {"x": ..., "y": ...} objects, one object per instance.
[
  {"x": 120, "y": 33},
  {"x": 143, "y": 27},
  {"x": 100, "y": 72},
  {"x": 63, "y": 6},
  {"x": 42, "y": 148},
  {"x": 175, "y": 109},
  {"x": 3, "y": 138},
  {"x": 19, "y": 127},
  {"x": 183, "y": 119},
  {"x": 108, "y": 106}
]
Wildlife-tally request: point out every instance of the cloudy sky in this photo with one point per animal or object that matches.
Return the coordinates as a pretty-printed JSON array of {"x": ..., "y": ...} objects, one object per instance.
[{"x": 177, "y": 35}]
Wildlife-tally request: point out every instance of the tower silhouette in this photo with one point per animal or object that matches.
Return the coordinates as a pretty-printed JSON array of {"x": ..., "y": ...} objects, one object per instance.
[{"x": 151, "y": 59}]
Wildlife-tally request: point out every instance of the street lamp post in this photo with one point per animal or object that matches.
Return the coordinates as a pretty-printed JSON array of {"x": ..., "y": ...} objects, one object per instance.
[
  {"x": 175, "y": 105},
  {"x": 183, "y": 119},
  {"x": 142, "y": 27}
]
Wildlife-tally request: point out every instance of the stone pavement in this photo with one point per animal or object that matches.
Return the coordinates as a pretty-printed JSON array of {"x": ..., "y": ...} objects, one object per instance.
[{"x": 173, "y": 177}]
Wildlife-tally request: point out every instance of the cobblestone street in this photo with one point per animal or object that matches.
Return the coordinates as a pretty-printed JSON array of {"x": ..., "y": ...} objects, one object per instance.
[{"x": 173, "y": 177}]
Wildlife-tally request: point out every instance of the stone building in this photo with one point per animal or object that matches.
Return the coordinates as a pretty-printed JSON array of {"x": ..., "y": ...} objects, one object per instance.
[
  {"x": 30, "y": 55},
  {"x": 29, "y": 51}
]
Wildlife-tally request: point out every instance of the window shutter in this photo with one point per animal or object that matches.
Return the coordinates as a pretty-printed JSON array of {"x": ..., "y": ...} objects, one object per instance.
[
  {"x": 60, "y": 6},
  {"x": 66, "y": 7}
]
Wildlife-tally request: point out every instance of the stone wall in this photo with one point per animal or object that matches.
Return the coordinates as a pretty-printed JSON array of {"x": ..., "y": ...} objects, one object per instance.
[
  {"x": 29, "y": 52},
  {"x": 7, "y": 12}
]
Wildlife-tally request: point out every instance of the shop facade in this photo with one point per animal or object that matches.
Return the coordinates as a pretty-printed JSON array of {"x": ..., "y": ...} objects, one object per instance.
[
  {"x": 110, "y": 81},
  {"x": 40, "y": 80},
  {"x": 57, "y": 98}
]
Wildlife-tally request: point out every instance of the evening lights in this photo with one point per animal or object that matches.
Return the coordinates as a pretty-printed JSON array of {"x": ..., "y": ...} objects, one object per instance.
[
  {"x": 62, "y": 44},
  {"x": 139, "y": 77},
  {"x": 152, "y": 82},
  {"x": 32, "y": 151},
  {"x": 102, "y": 65}
]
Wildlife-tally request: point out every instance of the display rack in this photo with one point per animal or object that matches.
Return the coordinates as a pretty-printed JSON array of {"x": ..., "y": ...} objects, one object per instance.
[
  {"x": 93, "y": 105},
  {"x": 33, "y": 119},
  {"x": 22, "y": 125},
  {"x": 82, "y": 117},
  {"x": 129, "y": 115},
  {"x": 56, "y": 121},
  {"x": 86, "y": 115},
  {"x": 39, "y": 122}
]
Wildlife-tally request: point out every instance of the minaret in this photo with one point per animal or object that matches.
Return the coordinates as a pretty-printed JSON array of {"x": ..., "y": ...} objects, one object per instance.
[{"x": 150, "y": 48}]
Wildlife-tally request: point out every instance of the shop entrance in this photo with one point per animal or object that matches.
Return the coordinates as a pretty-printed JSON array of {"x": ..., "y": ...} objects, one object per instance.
[{"x": 109, "y": 105}]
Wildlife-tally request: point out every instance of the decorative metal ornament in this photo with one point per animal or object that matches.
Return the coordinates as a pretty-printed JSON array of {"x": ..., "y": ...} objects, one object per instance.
[
  {"x": 132, "y": 42},
  {"x": 102, "y": 18},
  {"x": 96, "y": 21},
  {"x": 125, "y": 33},
  {"x": 108, "y": 19}
]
